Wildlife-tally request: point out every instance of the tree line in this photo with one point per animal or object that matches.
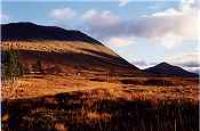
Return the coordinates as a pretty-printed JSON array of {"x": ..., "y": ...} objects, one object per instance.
[{"x": 11, "y": 67}]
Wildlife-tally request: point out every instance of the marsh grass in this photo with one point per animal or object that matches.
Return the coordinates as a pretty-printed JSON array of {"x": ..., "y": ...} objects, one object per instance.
[{"x": 99, "y": 111}]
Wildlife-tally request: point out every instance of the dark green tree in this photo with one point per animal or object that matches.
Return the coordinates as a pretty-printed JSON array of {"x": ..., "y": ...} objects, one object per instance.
[{"x": 11, "y": 67}]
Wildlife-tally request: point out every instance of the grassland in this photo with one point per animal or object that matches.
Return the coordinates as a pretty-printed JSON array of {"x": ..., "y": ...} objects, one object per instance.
[
  {"x": 79, "y": 98},
  {"x": 49, "y": 102}
]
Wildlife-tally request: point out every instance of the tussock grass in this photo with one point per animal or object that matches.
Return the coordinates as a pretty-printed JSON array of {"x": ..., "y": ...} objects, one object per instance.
[{"x": 98, "y": 110}]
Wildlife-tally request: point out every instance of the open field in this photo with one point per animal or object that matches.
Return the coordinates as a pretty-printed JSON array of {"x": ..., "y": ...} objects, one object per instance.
[
  {"x": 40, "y": 85},
  {"x": 81, "y": 86},
  {"x": 58, "y": 102}
]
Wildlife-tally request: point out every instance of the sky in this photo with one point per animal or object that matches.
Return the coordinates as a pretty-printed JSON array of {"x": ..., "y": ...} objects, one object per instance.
[{"x": 144, "y": 32}]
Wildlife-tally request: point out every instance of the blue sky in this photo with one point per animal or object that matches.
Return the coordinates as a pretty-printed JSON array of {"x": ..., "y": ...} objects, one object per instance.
[
  {"x": 20, "y": 10},
  {"x": 143, "y": 32}
]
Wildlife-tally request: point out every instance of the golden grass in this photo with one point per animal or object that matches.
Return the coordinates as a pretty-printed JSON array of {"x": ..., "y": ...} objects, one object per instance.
[
  {"x": 53, "y": 102},
  {"x": 60, "y": 127},
  {"x": 42, "y": 85},
  {"x": 102, "y": 109},
  {"x": 58, "y": 46}
]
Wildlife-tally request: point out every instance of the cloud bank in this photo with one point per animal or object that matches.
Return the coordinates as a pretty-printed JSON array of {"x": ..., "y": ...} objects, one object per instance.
[
  {"x": 63, "y": 13},
  {"x": 189, "y": 61},
  {"x": 4, "y": 18},
  {"x": 169, "y": 28}
]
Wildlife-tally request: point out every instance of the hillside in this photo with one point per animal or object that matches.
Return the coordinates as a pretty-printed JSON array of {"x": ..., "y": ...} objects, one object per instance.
[
  {"x": 61, "y": 51},
  {"x": 30, "y": 31},
  {"x": 166, "y": 69}
]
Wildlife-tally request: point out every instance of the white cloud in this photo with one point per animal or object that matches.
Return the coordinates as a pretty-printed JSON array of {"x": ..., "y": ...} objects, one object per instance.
[
  {"x": 102, "y": 22},
  {"x": 186, "y": 8},
  {"x": 192, "y": 69},
  {"x": 170, "y": 28},
  {"x": 170, "y": 40},
  {"x": 100, "y": 18},
  {"x": 123, "y": 2},
  {"x": 4, "y": 18},
  {"x": 189, "y": 61},
  {"x": 173, "y": 27},
  {"x": 140, "y": 64},
  {"x": 143, "y": 64},
  {"x": 63, "y": 14},
  {"x": 120, "y": 41},
  {"x": 168, "y": 12}
]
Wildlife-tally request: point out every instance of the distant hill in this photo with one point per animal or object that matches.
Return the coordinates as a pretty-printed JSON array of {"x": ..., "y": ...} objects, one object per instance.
[
  {"x": 166, "y": 69},
  {"x": 28, "y": 31},
  {"x": 61, "y": 51}
]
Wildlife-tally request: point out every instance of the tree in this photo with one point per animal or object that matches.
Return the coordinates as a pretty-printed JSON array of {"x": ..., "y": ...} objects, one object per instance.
[{"x": 11, "y": 67}]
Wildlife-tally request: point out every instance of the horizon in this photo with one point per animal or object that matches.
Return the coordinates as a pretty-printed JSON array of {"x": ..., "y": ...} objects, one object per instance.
[{"x": 131, "y": 35}]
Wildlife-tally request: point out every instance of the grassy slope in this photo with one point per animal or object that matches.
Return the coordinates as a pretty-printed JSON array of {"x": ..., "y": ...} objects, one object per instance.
[{"x": 70, "y": 57}]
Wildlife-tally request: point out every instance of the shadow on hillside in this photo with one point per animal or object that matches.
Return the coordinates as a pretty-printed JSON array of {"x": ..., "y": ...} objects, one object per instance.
[
  {"x": 149, "y": 82},
  {"x": 78, "y": 111},
  {"x": 157, "y": 81},
  {"x": 58, "y": 62}
]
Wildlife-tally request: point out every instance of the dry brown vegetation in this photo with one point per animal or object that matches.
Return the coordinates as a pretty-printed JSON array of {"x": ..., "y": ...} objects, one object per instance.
[
  {"x": 52, "y": 102},
  {"x": 95, "y": 99},
  {"x": 31, "y": 86},
  {"x": 57, "y": 46}
]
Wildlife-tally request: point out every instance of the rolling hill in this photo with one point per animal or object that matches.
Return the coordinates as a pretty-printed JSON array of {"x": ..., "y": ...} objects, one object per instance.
[
  {"x": 166, "y": 69},
  {"x": 30, "y": 31},
  {"x": 61, "y": 51}
]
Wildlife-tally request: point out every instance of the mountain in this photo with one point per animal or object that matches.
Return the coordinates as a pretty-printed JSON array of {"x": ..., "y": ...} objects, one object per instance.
[
  {"x": 57, "y": 50},
  {"x": 29, "y": 31},
  {"x": 166, "y": 69}
]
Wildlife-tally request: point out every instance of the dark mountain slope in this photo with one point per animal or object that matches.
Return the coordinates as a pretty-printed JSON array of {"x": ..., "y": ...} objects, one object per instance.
[
  {"x": 166, "y": 69},
  {"x": 29, "y": 31}
]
